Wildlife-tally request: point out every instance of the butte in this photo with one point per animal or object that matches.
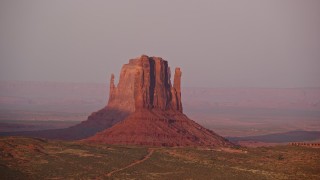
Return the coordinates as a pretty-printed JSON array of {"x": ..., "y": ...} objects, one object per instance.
[
  {"x": 143, "y": 109},
  {"x": 153, "y": 109}
]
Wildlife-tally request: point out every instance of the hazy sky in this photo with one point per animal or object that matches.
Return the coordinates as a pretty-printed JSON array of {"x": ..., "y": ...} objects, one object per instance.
[{"x": 225, "y": 43}]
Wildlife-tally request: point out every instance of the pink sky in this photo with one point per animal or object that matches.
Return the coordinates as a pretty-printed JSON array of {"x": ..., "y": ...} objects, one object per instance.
[{"x": 236, "y": 43}]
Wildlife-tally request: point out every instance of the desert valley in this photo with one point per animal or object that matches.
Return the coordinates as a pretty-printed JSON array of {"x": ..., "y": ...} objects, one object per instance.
[
  {"x": 143, "y": 133},
  {"x": 201, "y": 90}
]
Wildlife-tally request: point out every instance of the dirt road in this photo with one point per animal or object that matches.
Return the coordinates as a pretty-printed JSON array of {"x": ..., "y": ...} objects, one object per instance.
[{"x": 133, "y": 164}]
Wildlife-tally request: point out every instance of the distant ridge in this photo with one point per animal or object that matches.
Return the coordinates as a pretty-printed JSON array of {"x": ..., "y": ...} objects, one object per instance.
[{"x": 286, "y": 137}]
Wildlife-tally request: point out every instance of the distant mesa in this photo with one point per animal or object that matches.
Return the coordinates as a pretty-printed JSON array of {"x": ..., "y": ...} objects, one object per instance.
[{"x": 155, "y": 113}]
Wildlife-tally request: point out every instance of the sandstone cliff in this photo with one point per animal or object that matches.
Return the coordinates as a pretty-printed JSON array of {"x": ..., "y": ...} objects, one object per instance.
[{"x": 145, "y": 83}]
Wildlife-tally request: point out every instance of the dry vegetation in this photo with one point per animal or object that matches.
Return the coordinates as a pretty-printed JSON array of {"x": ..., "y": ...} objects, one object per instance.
[{"x": 28, "y": 158}]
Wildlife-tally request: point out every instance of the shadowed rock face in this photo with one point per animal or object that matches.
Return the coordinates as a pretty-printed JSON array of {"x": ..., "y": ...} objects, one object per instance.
[{"x": 156, "y": 116}]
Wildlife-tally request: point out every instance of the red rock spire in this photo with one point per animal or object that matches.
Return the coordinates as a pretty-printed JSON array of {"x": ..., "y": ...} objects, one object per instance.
[
  {"x": 177, "y": 87},
  {"x": 112, "y": 92}
]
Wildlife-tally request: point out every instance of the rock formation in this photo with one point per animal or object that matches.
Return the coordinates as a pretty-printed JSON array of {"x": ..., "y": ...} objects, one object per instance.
[
  {"x": 144, "y": 108},
  {"x": 155, "y": 110}
]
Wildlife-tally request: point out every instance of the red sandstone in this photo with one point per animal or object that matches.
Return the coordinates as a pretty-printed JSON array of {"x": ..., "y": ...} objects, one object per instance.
[{"x": 155, "y": 110}]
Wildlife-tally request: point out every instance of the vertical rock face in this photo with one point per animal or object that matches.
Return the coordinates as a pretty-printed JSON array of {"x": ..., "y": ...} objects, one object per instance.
[
  {"x": 177, "y": 89},
  {"x": 145, "y": 84}
]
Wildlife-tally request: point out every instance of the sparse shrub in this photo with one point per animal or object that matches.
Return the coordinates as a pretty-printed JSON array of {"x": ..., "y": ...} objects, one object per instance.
[
  {"x": 280, "y": 157},
  {"x": 237, "y": 146}
]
